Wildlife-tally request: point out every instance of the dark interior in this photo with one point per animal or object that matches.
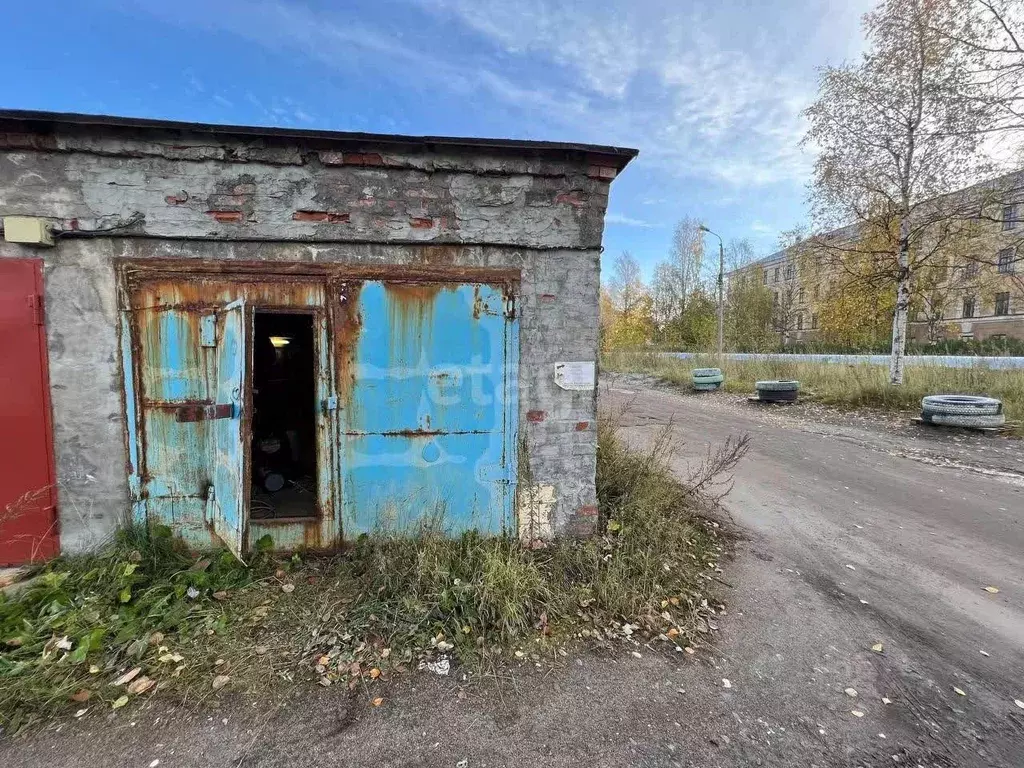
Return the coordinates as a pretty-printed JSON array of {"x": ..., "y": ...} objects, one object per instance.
[{"x": 283, "y": 427}]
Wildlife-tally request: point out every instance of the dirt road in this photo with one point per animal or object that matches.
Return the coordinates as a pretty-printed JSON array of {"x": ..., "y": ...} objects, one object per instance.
[
  {"x": 853, "y": 532},
  {"x": 860, "y": 532}
]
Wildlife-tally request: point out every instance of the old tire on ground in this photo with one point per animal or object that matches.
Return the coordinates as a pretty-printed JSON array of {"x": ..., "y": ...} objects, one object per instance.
[
  {"x": 961, "y": 405},
  {"x": 697, "y": 372},
  {"x": 990, "y": 421},
  {"x": 777, "y": 386},
  {"x": 706, "y": 387},
  {"x": 716, "y": 379},
  {"x": 777, "y": 395}
]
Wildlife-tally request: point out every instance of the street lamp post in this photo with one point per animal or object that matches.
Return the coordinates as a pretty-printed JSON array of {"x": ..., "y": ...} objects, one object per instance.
[{"x": 721, "y": 291}]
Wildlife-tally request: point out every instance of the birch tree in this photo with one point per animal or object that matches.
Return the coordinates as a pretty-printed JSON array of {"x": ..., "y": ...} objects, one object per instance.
[{"x": 895, "y": 131}]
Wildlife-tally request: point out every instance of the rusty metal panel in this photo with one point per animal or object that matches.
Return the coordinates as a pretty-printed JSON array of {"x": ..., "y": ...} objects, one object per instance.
[
  {"x": 192, "y": 431},
  {"x": 228, "y": 491},
  {"x": 426, "y": 406}
]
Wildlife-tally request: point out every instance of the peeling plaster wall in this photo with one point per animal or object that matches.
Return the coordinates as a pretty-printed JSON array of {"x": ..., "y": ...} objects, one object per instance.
[{"x": 193, "y": 197}]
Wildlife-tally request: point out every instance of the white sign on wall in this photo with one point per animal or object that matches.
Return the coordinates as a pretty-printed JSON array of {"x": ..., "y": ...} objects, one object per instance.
[{"x": 575, "y": 376}]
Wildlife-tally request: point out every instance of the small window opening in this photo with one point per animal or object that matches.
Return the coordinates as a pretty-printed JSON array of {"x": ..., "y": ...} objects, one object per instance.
[{"x": 283, "y": 423}]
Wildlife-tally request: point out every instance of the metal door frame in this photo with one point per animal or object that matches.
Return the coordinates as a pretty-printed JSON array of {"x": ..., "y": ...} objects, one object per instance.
[{"x": 134, "y": 272}]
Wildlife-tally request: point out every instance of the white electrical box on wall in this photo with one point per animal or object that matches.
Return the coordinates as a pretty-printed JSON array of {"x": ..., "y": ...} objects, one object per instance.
[{"x": 28, "y": 230}]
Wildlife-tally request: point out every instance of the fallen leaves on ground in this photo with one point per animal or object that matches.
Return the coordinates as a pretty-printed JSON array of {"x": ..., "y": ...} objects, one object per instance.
[
  {"x": 220, "y": 681},
  {"x": 140, "y": 685},
  {"x": 127, "y": 677},
  {"x": 877, "y": 647},
  {"x": 959, "y": 691},
  {"x": 992, "y": 590}
]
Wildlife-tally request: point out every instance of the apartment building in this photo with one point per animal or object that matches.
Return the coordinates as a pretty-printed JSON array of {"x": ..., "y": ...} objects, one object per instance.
[{"x": 971, "y": 288}]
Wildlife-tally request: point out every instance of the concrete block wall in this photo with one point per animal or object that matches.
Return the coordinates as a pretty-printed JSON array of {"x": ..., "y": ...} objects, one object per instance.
[{"x": 221, "y": 198}]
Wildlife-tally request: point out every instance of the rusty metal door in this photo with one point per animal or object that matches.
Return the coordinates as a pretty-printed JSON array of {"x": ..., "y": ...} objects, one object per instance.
[
  {"x": 427, "y": 406},
  {"x": 227, "y": 493},
  {"x": 190, "y": 371},
  {"x": 28, "y": 518}
]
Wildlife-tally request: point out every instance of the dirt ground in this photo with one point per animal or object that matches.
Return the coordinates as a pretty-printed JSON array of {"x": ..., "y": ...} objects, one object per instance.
[{"x": 853, "y": 530}]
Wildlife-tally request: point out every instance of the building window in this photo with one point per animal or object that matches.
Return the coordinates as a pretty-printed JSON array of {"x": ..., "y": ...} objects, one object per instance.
[
  {"x": 766, "y": 277},
  {"x": 1009, "y": 217},
  {"x": 1003, "y": 303},
  {"x": 776, "y": 276},
  {"x": 969, "y": 307},
  {"x": 814, "y": 322},
  {"x": 775, "y": 298},
  {"x": 817, "y": 292},
  {"x": 789, "y": 271},
  {"x": 971, "y": 269},
  {"x": 1006, "y": 259},
  {"x": 799, "y": 321},
  {"x": 801, "y": 296}
]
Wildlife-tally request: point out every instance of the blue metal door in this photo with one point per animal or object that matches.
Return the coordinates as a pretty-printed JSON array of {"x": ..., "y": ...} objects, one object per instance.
[
  {"x": 190, "y": 372},
  {"x": 427, "y": 406},
  {"x": 226, "y": 498}
]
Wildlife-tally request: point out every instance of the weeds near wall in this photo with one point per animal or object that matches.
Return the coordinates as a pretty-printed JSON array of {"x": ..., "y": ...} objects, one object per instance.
[{"x": 96, "y": 633}]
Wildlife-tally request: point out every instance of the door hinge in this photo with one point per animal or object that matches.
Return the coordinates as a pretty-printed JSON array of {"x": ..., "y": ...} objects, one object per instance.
[
  {"x": 510, "y": 306},
  {"x": 35, "y": 306},
  {"x": 331, "y": 403},
  {"x": 211, "y": 502}
]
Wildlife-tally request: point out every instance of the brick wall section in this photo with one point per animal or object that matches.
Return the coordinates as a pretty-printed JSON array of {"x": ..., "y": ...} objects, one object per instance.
[{"x": 281, "y": 204}]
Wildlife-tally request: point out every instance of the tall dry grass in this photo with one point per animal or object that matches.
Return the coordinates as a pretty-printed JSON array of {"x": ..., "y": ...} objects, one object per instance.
[{"x": 846, "y": 386}]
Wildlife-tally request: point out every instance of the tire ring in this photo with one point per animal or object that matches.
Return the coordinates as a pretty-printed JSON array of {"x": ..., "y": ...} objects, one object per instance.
[
  {"x": 963, "y": 410},
  {"x": 977, "y": 421},
  {"x": 706, "y": 387},
  {"x": 777, "y": 386},
  {"x": 706, "y": 372},
  {"x": 961, "y": 404},
  {"x": 709, "y": 379}
]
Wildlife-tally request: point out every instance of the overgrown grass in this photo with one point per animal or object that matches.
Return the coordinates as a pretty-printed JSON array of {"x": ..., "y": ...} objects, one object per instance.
[
  {"x": 847, "y": 386},
  {"x": 192, "y": 623}
]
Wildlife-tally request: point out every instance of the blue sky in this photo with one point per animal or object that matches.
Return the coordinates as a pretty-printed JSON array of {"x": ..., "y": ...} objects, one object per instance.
[{"x": 709, "y": 92}]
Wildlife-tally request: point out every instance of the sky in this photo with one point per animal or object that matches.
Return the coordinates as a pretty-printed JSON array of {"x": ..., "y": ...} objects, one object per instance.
[{"x": 709, "y": 92}]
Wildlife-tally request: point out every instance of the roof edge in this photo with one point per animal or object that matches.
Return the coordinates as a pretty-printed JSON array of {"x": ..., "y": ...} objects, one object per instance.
[{"x": 42, "y": 121}]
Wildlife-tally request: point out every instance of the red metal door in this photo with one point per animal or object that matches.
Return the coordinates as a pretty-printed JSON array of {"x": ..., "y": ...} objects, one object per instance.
[{"x": 28, "y": 520}]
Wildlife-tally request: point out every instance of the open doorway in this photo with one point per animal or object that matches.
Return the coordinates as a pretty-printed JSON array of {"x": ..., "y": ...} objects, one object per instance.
[{"x": 283, "y": 447}]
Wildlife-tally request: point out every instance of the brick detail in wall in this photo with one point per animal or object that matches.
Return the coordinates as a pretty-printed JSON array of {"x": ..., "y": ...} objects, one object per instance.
[
  {"x": 536, "y": 416},
  {"x": 331, "y": 217},
  {"x": 584, "y": 522},
  {"x": 227, "y": 217}
]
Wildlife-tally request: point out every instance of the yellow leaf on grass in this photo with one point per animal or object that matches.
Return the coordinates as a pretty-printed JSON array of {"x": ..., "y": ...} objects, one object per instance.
[
  {"x": 958, "y": 691},
  {"x": 374, "y": 673},
  {"x": 991, "y": 590},
  {"x": 119, "y": 702},
  {"x": 877, "y": 647},
  {"x": 378, "y": 701}
]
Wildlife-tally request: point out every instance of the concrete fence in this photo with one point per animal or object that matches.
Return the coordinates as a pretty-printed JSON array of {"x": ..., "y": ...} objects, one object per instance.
[{"x": 941, "y": 361}]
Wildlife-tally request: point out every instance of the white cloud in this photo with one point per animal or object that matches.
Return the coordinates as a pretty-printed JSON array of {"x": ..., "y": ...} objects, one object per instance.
[
  {"x": 761, "y": 228},
  {"x": 626, "y": 221},
  {"x": 705, "y": 91},
  {"x": 713, "y": 93}
]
